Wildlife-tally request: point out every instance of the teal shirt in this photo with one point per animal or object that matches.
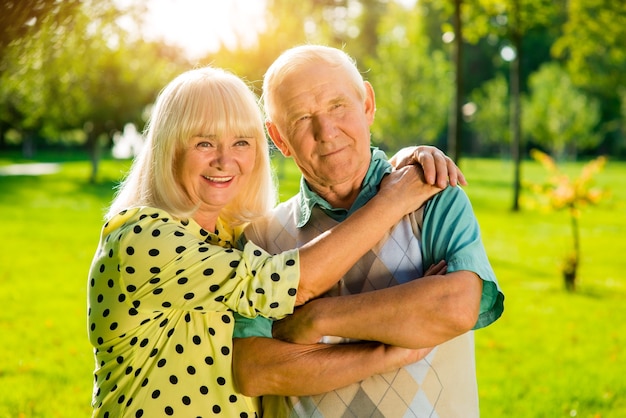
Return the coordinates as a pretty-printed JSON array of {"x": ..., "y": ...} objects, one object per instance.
[{"x": 449, "y": 232}]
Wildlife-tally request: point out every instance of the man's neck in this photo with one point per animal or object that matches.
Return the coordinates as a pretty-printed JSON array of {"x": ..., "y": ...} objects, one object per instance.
[{"x": 339, "y": 196}]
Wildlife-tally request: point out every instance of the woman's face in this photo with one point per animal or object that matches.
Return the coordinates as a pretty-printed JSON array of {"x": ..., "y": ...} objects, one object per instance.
[{"x": 214, "y": 170}]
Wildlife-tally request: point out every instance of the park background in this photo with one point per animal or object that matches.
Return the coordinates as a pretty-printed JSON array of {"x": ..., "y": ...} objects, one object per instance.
[{"x": 488, "y": 81}]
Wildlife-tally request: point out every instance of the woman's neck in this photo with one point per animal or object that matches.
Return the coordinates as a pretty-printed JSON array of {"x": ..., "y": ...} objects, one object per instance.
[{"x": 207, "y": 221}]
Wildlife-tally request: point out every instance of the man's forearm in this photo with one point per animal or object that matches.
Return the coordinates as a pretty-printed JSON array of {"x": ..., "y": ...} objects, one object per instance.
[
  {"x": 264, "y": 366},
  {"x": 417, "y": 314}
]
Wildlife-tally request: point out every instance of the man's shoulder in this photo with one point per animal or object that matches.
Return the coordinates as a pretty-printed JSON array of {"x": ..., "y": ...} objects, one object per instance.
[
  {"x": 450, "y": 194},
  {"x": 284, "y": 215},
  {"x": 290, "y": 207},
  {"x": 451, "y": 199},
  {"x": 293, "y": 201}
]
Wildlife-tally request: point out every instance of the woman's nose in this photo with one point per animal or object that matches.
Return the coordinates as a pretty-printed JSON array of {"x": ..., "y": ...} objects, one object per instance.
[{"x": 221, "y": 156}]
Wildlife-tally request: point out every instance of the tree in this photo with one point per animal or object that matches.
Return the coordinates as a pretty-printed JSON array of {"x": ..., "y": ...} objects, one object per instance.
[
  {"x": 23, "y": 18},
  {"x": 593, "y": 48},
  {"x": 558, "y": 116},
  {"x": 456, "y": 113},
  {"x": 88, "y": 75},
  {"x": 411, "y": 81},
  {"x": 511, "y": 20},
  {"x": 593, "y": 45}
]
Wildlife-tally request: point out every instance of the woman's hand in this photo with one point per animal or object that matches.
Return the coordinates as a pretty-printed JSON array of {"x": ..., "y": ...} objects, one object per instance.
[
  {"x": 438, "y": 167},
  {"x": 405, "y": 189}
]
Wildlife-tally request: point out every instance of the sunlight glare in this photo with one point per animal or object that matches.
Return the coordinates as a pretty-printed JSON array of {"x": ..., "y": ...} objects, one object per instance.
[{"x": 202, "y": 26}]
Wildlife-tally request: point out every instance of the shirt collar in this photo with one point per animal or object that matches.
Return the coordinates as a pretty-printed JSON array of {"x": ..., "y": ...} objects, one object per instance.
[{"x": 379, "y": 166}]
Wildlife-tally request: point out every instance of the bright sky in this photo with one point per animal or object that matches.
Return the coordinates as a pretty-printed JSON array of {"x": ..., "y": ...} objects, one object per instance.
[{"x": 200, "y": 25}]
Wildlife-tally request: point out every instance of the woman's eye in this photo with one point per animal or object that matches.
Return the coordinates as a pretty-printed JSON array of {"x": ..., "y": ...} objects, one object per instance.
[
  {"x": 243, "y": 141},
  {"x": 203, "y": 145}
]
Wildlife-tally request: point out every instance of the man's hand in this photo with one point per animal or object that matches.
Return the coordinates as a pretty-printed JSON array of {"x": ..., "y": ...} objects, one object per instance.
[
  {"x": 297, "y": 327},
  {"x": 440, "y": 268},
  {"x": 397, "y": 357},
  {"x": 438, "y": 167}
]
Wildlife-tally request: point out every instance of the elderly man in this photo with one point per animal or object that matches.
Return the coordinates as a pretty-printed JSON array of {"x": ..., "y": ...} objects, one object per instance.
[{"x": 319, "y": 111}]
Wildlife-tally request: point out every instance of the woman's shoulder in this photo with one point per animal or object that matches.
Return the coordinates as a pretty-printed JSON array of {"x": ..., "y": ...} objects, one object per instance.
[{"x": 132, "y": 217}]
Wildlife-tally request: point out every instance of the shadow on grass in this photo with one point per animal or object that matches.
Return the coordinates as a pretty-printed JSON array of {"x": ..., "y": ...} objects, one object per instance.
[
  {"x": 548, "y": 280},
  {"x": 22, "y": 188}
]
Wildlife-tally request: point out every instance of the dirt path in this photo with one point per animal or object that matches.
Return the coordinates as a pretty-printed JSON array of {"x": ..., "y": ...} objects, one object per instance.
[{"x": 33, "y": 169}]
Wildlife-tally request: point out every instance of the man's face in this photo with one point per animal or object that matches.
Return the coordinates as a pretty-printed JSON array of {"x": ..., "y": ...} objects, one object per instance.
[{"x": 324, "y": 125}]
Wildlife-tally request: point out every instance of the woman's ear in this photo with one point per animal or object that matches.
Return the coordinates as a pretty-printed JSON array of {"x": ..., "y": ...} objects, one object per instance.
[{"x": 277, "y": 139}]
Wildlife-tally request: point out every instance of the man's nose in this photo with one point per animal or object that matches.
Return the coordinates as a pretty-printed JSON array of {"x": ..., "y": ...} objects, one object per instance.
[{"x": 325, "y": 129}]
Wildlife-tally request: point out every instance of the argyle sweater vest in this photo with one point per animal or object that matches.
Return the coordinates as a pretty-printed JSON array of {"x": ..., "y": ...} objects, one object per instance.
[{"x": 441, "y": 385}]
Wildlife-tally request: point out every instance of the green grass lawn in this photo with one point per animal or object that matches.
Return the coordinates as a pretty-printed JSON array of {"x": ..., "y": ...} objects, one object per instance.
[{"x": 552, "y": 354}]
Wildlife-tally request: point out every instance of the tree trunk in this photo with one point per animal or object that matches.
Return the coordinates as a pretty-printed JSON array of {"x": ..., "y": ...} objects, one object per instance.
[
  {"x": 3, "y": 142},
  {"x": 572, "y": 260},
  {"x": 28, "y": 144},
  {"x": 456, "y": 115},
  {"x": 516, "y": 110},
  {"x": 93, "y": 149}
]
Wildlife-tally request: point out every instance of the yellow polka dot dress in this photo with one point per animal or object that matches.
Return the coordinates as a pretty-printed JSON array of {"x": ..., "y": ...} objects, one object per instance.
[{"x": 161, "y": 293}]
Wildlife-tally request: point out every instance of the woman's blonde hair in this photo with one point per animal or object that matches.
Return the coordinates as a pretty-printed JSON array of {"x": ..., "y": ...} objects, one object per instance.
[
  {"x": 292, "y": 60},
  {"x": 199, "y": 101}
]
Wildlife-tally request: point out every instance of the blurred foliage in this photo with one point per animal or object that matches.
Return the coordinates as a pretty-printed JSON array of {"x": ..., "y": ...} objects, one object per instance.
[
  {"x": 81, "y": 73},
  {"x": 20, "y": 19},
  {"x": 490, "y": 116},
  {"x": 70, "y": 65},
  {"x": 559, "y": 116},
  {"x": 592, "y": 43},
  {"x": 412, "y": 82}
]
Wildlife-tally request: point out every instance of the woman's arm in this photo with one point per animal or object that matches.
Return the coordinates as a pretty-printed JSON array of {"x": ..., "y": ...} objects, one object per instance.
[{"x": 325, "y": 259}]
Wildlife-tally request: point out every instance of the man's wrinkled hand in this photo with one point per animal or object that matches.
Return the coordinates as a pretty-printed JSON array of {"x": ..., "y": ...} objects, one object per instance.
[{"x": 297, "y": 327}]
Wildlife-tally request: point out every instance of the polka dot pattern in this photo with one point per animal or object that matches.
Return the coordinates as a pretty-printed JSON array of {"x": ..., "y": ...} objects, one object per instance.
[{"x": 161, "y": 293}]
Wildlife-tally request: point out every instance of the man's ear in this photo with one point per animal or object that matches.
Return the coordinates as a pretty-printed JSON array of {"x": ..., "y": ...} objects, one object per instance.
[
  {"x": 273, "y": 132},
  {"x": 370, "y": 102}
]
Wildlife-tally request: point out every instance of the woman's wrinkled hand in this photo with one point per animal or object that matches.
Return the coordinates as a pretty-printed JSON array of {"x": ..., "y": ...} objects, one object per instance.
[
  {"x": 439, "y": 169},
  {"x": 405, "y": 189}
]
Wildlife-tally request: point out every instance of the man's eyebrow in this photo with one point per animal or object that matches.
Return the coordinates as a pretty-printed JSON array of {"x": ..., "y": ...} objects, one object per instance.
[
  {"x": 338, "y": 100},
  {"x": 294, "y": 115}
]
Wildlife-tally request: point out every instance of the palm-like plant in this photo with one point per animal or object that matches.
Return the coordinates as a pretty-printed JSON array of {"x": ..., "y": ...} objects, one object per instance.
[{"x": 562, "y": 192}]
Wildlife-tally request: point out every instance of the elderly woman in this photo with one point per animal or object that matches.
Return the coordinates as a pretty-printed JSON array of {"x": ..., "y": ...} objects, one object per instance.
[{"x": 171, "y": 267}]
